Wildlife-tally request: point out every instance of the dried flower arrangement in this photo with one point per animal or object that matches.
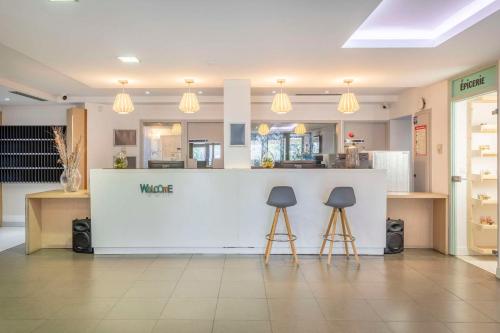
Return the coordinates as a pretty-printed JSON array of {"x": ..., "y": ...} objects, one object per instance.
[{"x": 69, "y": 159}]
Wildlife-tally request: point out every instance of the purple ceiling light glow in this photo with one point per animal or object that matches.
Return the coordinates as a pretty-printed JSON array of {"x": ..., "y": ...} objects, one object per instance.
[{"x": 423, "y": 23}]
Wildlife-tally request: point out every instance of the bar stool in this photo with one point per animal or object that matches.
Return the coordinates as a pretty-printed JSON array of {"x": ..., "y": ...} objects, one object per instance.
[
  {"x": 281, "y": 197},
  {"x": 339, "y": 199}
]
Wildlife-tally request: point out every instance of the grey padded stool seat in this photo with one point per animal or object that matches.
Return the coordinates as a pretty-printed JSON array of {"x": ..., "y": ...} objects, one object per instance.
[
  {"x": 339, "y": 199},
  {"x": 281, "y": 197}
]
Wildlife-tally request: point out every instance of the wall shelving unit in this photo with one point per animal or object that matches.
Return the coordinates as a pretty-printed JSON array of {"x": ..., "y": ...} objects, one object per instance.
[{"x": 28, "y": 155}]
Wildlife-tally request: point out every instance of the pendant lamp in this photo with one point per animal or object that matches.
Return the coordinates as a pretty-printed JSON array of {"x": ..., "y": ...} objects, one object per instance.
[
  {"x": 300, "y": 129},
  {"x": 123, "y": 103},
  {"x": 189, "y": 101},
  {"x": 281, "y": 101},
  {"x": 348, "y": 103},
  {"x": 176, "y": 129},
  {"x": 263, "y": 129}
]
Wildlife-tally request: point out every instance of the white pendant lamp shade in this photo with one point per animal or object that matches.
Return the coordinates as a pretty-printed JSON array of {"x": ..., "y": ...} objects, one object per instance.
[
  {"x": 176, "y": 129},
  {"x": 123, "y": 103},
  {"x": 281, "y": 101},
  {"x": 189, "y": 101},
  {"x": 300, "y": 129},
  {"x": 263, "y": 129},
  {"x": 348, "y": 103}
]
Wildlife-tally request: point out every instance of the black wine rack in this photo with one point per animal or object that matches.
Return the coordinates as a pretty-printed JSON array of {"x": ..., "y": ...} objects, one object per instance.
[{"x": 28, "y": 155}]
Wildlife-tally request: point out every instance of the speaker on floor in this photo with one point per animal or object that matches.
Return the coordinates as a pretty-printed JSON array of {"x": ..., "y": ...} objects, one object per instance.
[
  {"x": 395, "y": 239},
  {"x": 82, "y": 236}
]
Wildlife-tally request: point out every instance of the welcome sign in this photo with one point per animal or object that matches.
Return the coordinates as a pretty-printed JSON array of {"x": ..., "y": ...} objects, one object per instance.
[
  {"x": 148, "y": 188},
  {"x": 476, "y": 83}
]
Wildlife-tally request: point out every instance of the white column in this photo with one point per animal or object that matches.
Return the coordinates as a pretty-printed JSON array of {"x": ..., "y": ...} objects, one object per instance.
[
  {"x": 237, "y": 106},
  {"x": 498, "y": 164}
]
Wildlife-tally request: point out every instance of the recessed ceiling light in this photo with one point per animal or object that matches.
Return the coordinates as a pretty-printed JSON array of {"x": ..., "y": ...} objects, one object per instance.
[
  {"x": 327, "y": 91},
  {"x": 129, "y": 59},
  {"x": 147, "y": 92},
  {"x": 7, "y": 99},
  {"x": 63, "y": 0},
  {"x": 274, "y": 91},
  {"x": 200, "y": 92}
]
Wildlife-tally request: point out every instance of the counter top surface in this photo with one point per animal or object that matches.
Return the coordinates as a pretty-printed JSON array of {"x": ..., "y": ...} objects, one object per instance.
[
  {"x": 416, "y": 195},
  {"x": 59, "y": 194}
]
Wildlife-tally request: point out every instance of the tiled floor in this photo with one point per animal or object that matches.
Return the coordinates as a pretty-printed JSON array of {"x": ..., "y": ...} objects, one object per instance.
[
  {"x": 420, "y": 291},
  {"x": 10, "y": 237},
  {"x": 488, "y": 263}
]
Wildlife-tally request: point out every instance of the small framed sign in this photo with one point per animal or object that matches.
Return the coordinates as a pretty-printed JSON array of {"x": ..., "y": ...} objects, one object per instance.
[
  {"x": 237, "y": 132},
  {"x": 123, "y": 137}
]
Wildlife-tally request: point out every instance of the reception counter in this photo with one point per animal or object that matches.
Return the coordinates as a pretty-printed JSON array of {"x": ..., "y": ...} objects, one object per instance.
[{"x": 225, "y": 211}]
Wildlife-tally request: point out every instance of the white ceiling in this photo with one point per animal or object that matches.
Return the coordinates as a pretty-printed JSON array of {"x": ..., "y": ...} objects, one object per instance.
[{"x": 71, "y": 48}]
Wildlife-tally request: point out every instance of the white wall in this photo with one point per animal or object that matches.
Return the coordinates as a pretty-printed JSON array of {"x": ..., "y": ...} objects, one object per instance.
[
  {"x": 374, "y": 133},
  {"x": 14, "y": 193},
  {"x": 400, "y": 134},
  {"x": 237, "y": 109},
  {"x": 437, "y": 100}
]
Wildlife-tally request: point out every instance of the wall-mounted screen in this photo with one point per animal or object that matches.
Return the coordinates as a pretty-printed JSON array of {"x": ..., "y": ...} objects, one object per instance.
[
  {"x": 125, "y": 137},
  {"x": 237, "y": 135}
]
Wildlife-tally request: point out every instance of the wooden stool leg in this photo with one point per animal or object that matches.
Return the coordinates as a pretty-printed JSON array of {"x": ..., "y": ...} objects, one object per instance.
[
  {"x": 334, "y": 227},
  {"x": 327, "y": 233},
  {"x": 290, "y": 237},
  {"x": 344, "y": 231},
  {"x": 350, "y": 234},
  {"x": 271, "y": 235}
]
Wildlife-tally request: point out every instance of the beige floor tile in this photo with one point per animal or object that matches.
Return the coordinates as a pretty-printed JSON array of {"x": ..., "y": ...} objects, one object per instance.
[
  {"x": 359, "y": 327},
  {"x": 96, "y": 308},
  {"x": 357, "y": 310},
  {"x": 400, "y": 310},
  {"x": 197, "y": 289},
  {"x": 474, "y": 327},
  {"x": 202, "y": 274},
  {"x": 28, "y": 308},
  {"x": 137, "y": 308},
  {"x": 242, "y": 309},
  {"x": 282, "y": 274},
  {"x": 242, "y": 289},
  {"x": 19, "y": 326},
  {"x": 190, "y": 308},
  {"x": 474, "y": 292},
  {"x": 242, "y": 326},
  {"x": 380, "y": 291},
  {"x": 161, "y": 274},
  {"x": 108, "y": 289},
  {"x": 153, "y": 289},
  {"x": 183, "y": 326},
  {"x": 489, "y": 308},
  {"x": 20, "y": 288},
  {"x": 67, "y": 325},
  {"x": 288, "y": 290},
  {"x": 418, "y": 327},
  {"x": 242, "y": 274},
  {"x": 310, "y": 326},
  {"x": 207, "y": 261},
  {"x": 126, "y": 326},
  {"x": 334, "y": 290},
  {"x": 170, "y": 261},
  {"x": 455, "y": 312},
  {"x": 295, "y": 309}
]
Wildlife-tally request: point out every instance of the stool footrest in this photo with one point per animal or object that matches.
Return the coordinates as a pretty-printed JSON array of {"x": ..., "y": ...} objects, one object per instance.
[
  {"x": 346, "y": 238},
  {"x": 268, "y": 237}
]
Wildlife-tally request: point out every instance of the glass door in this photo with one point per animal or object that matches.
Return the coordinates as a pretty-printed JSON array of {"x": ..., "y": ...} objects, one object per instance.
[{"x": 474, "y": 175}]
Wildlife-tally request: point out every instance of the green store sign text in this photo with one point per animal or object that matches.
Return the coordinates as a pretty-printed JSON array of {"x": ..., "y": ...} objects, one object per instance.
[
  {"x": 147, "y": 188},
  {"x": 476, "y": 83}
]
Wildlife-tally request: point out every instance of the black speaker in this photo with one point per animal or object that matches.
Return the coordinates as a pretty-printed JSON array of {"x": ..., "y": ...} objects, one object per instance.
[
  {"x": 395, "y": 239},
  {"x": 82, "y": 236}
]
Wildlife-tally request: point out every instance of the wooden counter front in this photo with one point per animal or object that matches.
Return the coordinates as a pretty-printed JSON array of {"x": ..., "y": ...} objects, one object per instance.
[{"x": 49, "y": 217}]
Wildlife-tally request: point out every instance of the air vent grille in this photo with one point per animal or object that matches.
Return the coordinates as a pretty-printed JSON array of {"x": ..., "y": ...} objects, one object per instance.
[
  {"x": 28, "y": 96},
  {"x": 317, "y": 94}
]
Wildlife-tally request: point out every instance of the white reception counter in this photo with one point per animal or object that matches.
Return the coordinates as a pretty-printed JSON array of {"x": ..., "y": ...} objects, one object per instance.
[{"x": 225, "y": 211}]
